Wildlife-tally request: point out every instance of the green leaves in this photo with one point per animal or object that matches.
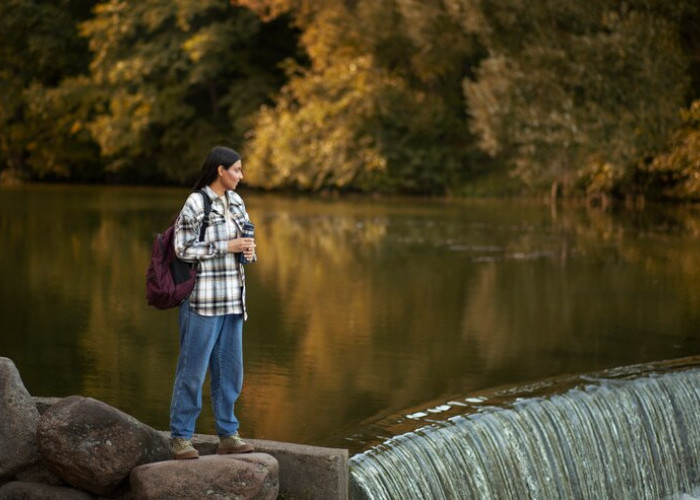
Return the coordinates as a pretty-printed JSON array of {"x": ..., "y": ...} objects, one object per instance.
[
  {"x": 167, "y": 71},
  {"x": 676, "y": 172},
  {"x": 568, "y": 87},
  {"x": 369, "y": 95},
  {"x": 40, "y": 48}
]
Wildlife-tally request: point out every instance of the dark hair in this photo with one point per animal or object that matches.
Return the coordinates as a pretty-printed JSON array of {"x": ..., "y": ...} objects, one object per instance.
[{"x": 219, "y": 155}]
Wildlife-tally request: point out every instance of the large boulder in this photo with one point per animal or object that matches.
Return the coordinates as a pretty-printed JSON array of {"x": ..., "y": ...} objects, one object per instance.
[
  {"x": 248, "y": 476},
  {"x": 38, "y": 473},
  {"x": 93, "y": 446},
  {"x": 43, "y": 404},
  {"x": 18, "y": 422},
  {"x": 19, "y": 490}
]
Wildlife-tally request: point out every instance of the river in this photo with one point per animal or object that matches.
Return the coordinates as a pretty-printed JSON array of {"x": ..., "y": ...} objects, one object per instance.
[{"x": 360, "y": 310}]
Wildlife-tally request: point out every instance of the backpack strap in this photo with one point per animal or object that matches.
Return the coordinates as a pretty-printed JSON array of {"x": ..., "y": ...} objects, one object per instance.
[{"x": 207, "y": 209}]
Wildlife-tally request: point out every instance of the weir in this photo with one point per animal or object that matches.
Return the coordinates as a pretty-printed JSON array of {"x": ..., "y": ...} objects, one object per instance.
[{"x": 625, "y": 438}]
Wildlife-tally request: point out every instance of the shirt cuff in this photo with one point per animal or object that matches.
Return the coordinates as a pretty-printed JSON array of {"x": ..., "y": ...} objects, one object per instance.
[{"x": 222, "y": 246}]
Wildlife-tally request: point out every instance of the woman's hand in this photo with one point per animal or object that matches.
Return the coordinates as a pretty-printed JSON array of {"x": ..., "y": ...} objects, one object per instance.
[{"x": 244, "y": 245}]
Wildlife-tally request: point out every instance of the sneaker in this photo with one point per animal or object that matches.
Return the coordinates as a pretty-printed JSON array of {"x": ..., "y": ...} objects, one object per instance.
[
  {"x": 233, "y": 444},
  {"x": 183, "y": 449}
]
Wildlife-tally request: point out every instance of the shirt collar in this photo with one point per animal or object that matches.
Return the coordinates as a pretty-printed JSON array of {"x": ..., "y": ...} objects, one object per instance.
[{"x": 232, "y": 197}]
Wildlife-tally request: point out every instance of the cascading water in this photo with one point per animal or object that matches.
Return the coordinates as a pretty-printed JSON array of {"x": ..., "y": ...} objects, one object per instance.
[{"x": 612, "y": 439}]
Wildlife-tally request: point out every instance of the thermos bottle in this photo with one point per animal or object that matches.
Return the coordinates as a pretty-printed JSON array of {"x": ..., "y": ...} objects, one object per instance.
[{"x": 248, "y": 231}]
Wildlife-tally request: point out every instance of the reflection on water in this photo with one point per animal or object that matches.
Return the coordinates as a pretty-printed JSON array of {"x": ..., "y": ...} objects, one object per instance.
[{"x": 358, "y": 309}]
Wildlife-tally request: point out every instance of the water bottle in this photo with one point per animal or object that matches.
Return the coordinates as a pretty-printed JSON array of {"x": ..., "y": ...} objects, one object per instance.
[{"x": 247, "y": 231}]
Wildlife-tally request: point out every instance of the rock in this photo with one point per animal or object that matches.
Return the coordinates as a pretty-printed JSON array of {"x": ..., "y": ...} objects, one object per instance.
[
  {"x": 18, "y": 422},
  {"x": 93, "y": 446},
  {"x": 19, "y": 490},
  {"x": 247, "y": 476},
  {"x": 43, "y": 404},
  {"x": 39, "y": 473}
]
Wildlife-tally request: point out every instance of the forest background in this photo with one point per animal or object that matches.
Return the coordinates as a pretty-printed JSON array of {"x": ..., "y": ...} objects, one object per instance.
[{"x": 594, "y": 99}]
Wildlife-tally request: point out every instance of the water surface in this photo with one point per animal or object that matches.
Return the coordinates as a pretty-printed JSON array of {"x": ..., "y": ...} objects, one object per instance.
[{"x": 359, "y": 310}]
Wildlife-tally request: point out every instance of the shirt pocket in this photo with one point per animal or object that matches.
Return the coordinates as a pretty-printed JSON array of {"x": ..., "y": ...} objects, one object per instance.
[
  {"x": 215, "y": 218},
  {"x": 217, "y": 229}
]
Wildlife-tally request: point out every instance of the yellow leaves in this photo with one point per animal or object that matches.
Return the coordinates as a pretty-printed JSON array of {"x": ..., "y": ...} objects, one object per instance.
[
  {"x": 126, "y": 70},
  {"x": 598, "y": 177},
  {"x": 691, "y": 116},
  {"x": 158, "y": 13},
  {"x": 680, "y": 165},
  {"x": 188, "y": 10},
  {"x": 329, "y": 38},
  {"x": 76, "y": 127},
  {"x": 603, "y": 83},
  {"x": 130, "y": 115},
  {"x": 316, "y": 138},
  {"x": 489, "y": 100},
  {"x": 196, "y": 47},
  {"x": 267, "y": 9}
]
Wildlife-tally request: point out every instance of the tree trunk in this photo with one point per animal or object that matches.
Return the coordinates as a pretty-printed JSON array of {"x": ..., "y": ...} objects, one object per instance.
[{"x": 553, "y": 192}]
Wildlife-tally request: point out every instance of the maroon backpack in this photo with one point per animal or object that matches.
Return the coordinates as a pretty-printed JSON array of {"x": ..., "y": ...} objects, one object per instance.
[{"x": 170, "y": 280}]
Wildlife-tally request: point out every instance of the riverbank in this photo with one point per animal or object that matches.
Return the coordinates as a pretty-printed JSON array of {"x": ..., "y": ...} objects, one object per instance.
[{"x": 81, "y": 448}]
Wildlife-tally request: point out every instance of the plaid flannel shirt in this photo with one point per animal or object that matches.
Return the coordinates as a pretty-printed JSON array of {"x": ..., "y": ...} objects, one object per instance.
[{"x": 220, "y": 285}]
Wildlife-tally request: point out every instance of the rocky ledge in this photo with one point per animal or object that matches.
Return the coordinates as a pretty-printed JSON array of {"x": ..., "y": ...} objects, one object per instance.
[{"x": 81, "y": 448}]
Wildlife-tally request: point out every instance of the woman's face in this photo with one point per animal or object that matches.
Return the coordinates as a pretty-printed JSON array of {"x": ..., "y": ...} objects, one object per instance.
[{"x": 232, "y": 175}]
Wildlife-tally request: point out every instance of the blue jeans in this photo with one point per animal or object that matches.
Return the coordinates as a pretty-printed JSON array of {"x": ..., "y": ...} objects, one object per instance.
[{"x": 214, "y": 342}]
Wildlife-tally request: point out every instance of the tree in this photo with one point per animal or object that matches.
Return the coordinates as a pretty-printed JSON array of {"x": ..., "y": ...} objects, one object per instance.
[
  {"x": 174, "y": 79},
  {"x": 40, "y": 48},
  {"x": 570, "y": 90},
  {"x": 676, "y": 171},
  {"x": 377, "y": 107}
]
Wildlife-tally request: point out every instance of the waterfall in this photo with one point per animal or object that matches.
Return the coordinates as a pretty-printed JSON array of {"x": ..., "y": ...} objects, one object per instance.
[{"x": 621, "y": 439}]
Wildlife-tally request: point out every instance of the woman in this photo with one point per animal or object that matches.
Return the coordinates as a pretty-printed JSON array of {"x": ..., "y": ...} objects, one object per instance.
[{"x": 211, "y": 319}]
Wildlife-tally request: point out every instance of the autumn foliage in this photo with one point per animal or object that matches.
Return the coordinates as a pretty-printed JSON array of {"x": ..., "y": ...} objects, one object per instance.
[{"x": 445, "y": 97}]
